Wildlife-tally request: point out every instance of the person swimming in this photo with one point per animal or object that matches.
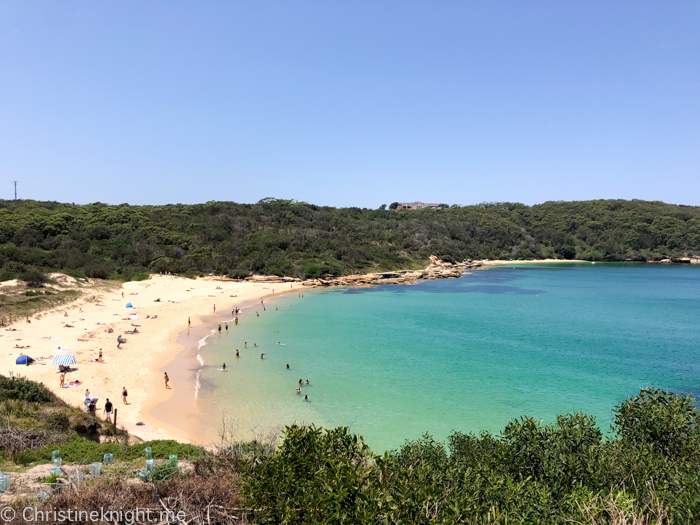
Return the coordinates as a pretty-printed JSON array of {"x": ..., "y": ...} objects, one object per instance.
[
  {"x": 301, "y": 382},
  {"x": 219, "y": 328},
  {"x": 307, "y": 381},
  {"x": 237, "y": 354},
  {"x": 223, "y": 367},
  {"x": 262, "y": 356},
  {"x": 306, "y": 398},
  {"x": 287, "y": 366},
  {"x": 298, "y": 390}
]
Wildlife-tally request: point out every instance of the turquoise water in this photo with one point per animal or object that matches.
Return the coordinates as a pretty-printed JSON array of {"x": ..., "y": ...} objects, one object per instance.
[{"x": 393, "y": 362}]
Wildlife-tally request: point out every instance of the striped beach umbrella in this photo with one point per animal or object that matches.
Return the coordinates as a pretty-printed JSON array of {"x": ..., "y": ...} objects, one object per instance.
[{"x": 64, "y": 360}]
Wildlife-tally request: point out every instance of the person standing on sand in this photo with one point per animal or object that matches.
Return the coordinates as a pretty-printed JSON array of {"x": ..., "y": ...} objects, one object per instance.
[
  {"x": 99, "y": 357},
  {"x": 226, "y": 326},
  {"x": 167, "y": 379},
  {"x": 108, "y": 410},
  {"x": 188, "y": 322},
  {"x": 215, "y": 309},
  {"x": 63, "y": 379},
  {"x": 124, "y": 394},
  {"x": 224, "y": 367}
]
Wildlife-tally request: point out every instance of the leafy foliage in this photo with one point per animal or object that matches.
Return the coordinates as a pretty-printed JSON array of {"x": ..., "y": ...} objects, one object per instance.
[
  {"x": 20, "y": 389},
  {"x": 285, "y": 237},
  {"x": 531, "y": 474}
]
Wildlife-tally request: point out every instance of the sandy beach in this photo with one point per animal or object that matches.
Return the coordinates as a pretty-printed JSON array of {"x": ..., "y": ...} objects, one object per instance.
[{"x": 160, "y": 307}]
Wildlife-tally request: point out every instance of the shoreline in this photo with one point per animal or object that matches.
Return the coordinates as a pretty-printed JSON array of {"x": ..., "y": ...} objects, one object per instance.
[{"x": 177, "y": 410}]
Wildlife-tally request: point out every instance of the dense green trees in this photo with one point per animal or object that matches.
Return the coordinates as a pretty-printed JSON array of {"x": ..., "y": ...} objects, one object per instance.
[
  {"x": 284, "y": 237},
  {"x": 566, "y": 472}
]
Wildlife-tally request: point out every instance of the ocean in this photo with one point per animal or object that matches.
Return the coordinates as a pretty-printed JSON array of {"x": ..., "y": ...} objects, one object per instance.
[{"x": 468, "y": 354}]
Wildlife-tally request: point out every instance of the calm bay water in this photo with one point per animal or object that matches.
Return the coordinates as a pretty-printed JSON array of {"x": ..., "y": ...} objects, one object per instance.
[{"x": 463, "y": 354}]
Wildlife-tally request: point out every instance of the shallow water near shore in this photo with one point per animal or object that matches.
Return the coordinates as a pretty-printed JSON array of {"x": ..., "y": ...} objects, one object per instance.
[{"x": 468, "y": 354}]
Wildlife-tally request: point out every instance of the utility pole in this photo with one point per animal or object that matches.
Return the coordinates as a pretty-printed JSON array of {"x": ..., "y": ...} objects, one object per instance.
[{"x": 15, "y": 188}]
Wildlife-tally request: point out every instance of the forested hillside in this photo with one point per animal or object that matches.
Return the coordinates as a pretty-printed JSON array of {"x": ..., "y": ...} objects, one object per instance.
[{"x": 299, "y": 239}]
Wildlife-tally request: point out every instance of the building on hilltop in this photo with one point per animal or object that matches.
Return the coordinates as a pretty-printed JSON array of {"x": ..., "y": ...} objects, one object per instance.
[{"x": 417, "y": 205}]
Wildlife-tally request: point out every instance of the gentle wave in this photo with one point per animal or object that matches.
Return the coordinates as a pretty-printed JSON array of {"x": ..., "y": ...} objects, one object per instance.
[
  {"x": 197, "y": 384},
  {"x": 202, "y": 342}
]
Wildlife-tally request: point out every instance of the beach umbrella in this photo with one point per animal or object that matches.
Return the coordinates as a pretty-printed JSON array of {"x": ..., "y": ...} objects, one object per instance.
[{"x": 65, "y": 360}]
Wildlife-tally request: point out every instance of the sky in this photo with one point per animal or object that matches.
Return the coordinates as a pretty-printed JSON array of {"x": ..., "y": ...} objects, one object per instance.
[{"x": 350, "y": 103}]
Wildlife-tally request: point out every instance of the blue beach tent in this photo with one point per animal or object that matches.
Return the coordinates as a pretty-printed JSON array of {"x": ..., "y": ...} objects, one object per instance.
[
  {"x": 128, "y": 305},
  {"x": 24, "y": 360}
]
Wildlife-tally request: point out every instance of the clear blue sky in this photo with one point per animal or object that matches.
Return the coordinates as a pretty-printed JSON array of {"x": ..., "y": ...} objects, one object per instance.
[{"x": 350, "y": 103}]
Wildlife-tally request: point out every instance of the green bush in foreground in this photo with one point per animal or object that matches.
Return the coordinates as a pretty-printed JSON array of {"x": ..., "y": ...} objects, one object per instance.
[{"x": 566, "y": 472}]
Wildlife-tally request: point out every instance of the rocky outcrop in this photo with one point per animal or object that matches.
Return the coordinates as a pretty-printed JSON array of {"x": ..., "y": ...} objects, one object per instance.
[
  {"x": 695, "y": 260},
  {"x": 271, "y": 279},
  {"x": 437, "y": 270}
]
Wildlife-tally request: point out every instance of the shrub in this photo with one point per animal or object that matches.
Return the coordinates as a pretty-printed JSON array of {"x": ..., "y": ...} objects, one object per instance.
[
  {"x": 163, "y": 473},
  {"x": 33, "y": 277},
  {"x": 665, "y": 420},
  {"x": 24, "y": 390},
  {"x": 139, "y": 276},
  {"x": 98, "y": 271}
]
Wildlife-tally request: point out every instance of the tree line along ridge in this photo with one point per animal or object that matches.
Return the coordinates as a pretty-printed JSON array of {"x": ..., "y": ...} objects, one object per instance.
[{"x": 290, "y": 238}]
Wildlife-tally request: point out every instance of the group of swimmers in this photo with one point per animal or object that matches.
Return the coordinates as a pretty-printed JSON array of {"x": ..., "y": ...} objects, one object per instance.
[
  {"x": 301, "y": 383},
  {"x": 235, "y": 313}
]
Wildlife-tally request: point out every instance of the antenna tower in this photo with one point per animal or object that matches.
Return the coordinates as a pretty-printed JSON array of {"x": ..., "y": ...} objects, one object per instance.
[{"x": 15, "y": 188}]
